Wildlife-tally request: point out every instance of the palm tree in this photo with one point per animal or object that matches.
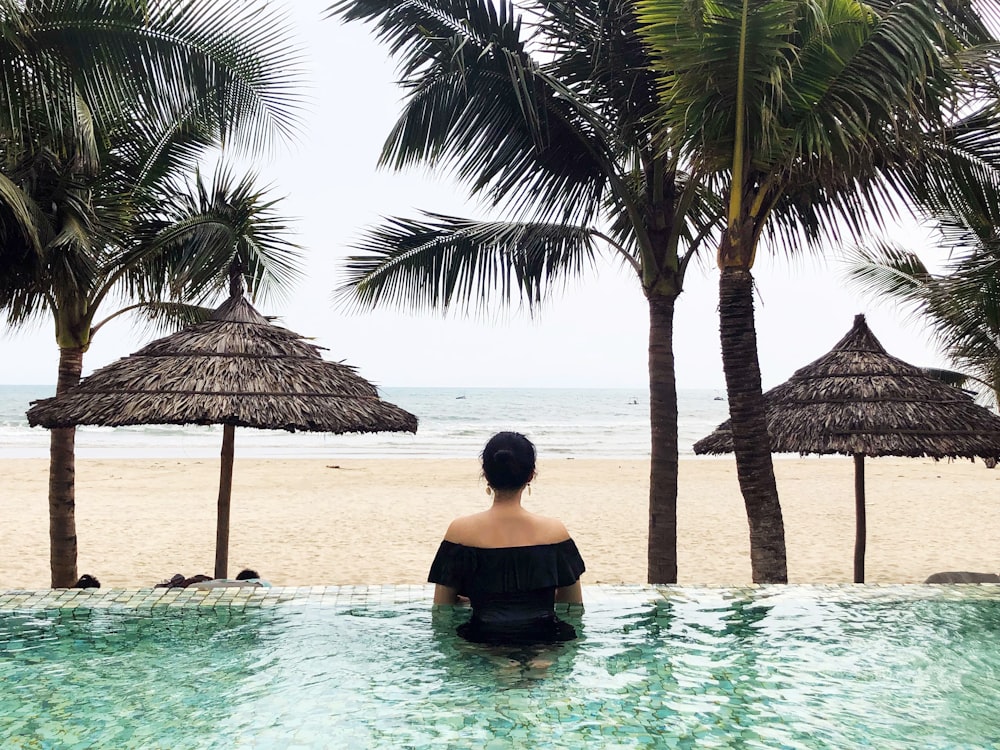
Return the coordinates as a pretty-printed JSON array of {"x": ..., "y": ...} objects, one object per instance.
[
  {"x": 109, "y": 103},
  {"x": 808, "y": 115},
  {"x": 546, "y": 112}
]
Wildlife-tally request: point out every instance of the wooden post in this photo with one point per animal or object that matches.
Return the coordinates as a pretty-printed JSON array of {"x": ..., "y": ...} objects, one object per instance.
[
  {"x": 225, "y": 494},
  {"x": 861, "y": 531}
]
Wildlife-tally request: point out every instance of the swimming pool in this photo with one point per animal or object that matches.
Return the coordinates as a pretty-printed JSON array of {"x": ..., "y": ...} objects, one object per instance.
[{"x": 771, "y": 667}]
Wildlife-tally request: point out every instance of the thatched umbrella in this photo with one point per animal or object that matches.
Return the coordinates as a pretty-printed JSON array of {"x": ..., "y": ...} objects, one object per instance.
[
  {"x": 859, "y": 400},
  {"x": 235, "y": 369}
]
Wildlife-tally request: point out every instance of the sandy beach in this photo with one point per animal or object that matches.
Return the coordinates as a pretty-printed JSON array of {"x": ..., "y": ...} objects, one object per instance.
[{"x": 326, "y": 522}]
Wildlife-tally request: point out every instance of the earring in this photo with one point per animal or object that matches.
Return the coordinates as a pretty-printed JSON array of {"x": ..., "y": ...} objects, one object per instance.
[
  {"x": 529, "y": 489},
  {"x": 489, "y": 490}
]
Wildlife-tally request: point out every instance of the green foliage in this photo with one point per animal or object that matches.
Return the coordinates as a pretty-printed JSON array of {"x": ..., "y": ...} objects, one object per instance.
[
  {"x": 961, "y": 306},
  {"x": 809, "y": 116},
  {"x": 200, "y": 236},
  {"x": 110, "y": 106},
  {"x": 838, "y": 98},
  {"x": 72, "y": 66},
  {"x": 443, "y": 260},
  {"x": 545, "y": 110}
]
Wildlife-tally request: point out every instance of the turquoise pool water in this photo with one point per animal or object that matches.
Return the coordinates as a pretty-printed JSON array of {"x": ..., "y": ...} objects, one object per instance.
[{"x": 371, "y": 667}]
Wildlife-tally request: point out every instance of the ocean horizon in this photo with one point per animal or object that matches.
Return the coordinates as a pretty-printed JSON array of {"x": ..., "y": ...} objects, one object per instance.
[{"x": 454, "y": 422}]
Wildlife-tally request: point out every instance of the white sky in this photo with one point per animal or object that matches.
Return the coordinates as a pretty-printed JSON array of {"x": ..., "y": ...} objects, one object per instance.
[{"x": 593, "y": 335}]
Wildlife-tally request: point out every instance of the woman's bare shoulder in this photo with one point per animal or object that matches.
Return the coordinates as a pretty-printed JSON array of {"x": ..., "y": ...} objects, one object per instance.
[
  {"x": 463, "y": 529},
  {"x": 552, "y": 529}
]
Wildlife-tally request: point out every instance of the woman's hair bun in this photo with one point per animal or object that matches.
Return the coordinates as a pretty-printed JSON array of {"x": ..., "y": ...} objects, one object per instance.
[
  {"x": 508, "y": 461},
  {"x": 504, "y": 457}
]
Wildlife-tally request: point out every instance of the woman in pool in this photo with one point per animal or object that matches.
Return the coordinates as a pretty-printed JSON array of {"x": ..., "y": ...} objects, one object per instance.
[{"x": 511, "y": 564}]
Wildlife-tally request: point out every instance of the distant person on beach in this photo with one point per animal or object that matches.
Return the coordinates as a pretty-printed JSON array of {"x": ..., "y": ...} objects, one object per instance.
[
  {"x": 511, "y": 564},
  {"x": 87, "y": 582}
]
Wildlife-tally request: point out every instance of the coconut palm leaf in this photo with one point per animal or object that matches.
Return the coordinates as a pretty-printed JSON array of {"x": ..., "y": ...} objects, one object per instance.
[
  {"x": 161, "y": 317},
  {"x": 444, "y": 261},
  {"x": 16, "y": 220},
  {"x": 190, "y": 246},
  {"x": 70, "y": 234},
  {"x": 960, "y": 307},
  {"x": 150, "y": 151},
  {"x": 834, "y": 92},
  {"x": 478, "y": 101},
  {"x": 961, "y": 194},
  {"x": 216, "y": 58}
]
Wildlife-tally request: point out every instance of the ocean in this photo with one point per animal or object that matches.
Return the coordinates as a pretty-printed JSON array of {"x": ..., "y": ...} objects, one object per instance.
[{"x": 453, "y": 423}]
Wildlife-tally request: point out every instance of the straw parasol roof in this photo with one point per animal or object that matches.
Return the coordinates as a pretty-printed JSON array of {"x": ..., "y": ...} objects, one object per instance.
[
  {"x": 236, "y": 369},
  {"x": 859, "y": 400}
]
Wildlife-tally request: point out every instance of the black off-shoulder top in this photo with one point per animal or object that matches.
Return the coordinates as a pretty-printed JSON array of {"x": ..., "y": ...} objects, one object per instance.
[{"x": 512, "y": 589}]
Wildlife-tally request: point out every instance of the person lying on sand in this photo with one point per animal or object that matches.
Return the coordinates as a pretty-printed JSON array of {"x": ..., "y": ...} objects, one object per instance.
[
  {"x": 245, "y": 577},
  {"x": 178, "y": 581}
]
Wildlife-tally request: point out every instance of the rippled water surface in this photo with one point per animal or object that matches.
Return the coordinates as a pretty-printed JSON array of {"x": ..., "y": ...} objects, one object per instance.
[{"x": 789, "y": 667}]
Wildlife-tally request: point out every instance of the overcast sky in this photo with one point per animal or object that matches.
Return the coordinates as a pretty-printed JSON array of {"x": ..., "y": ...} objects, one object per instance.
[{"x": 592, "y": 335}]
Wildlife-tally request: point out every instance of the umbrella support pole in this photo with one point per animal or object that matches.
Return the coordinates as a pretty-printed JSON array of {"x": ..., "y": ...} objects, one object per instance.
[
  {"x": 225, "y": 493},
  {"x": 861, "y": 531}
]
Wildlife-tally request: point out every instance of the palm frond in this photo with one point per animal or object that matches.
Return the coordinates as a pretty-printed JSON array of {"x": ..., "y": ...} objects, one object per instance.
[
  {"x": 836, "y": 111},
  {"x": 887, "y": 271},
  {"x": 161, "y": 317},
  {"x": 16, "y": 221},
  {"x": 231, "y": 62},
  {"x": 961, "y": 308},
  {"x": 200, "y": 233},
  {"x": 478, "y": 102},
  {"x": 446, "y": 262},
  {"x": 949, "y": 377}
]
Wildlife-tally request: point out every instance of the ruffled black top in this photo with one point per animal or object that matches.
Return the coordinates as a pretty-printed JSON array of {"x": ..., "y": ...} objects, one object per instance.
[{"x": 512, "y": 589}]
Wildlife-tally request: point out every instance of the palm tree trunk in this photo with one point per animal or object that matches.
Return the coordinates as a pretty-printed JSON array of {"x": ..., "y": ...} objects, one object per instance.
[
  {"x": 662, "y": 547},
  {"x": 749, "y": 423},
  {"x": 860, "y": 519},
  {"x": 225, "y": 501},
  {"x": 62, "y": 481}
]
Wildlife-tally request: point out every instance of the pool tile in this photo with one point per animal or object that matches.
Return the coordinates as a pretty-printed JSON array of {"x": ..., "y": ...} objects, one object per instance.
[{"x": 382, "y": 595}]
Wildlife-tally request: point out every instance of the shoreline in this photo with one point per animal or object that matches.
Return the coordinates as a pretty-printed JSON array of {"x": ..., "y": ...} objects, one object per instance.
[{"x": 349, "y": 521}]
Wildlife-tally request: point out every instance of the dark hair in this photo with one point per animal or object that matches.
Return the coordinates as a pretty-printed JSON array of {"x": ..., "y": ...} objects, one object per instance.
[
  {"x": 508, "y": 461},
  {"x": 246, "y": 574},
  {"x": 87, "y": 582},
  {"x": 175, "y": 580}
]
